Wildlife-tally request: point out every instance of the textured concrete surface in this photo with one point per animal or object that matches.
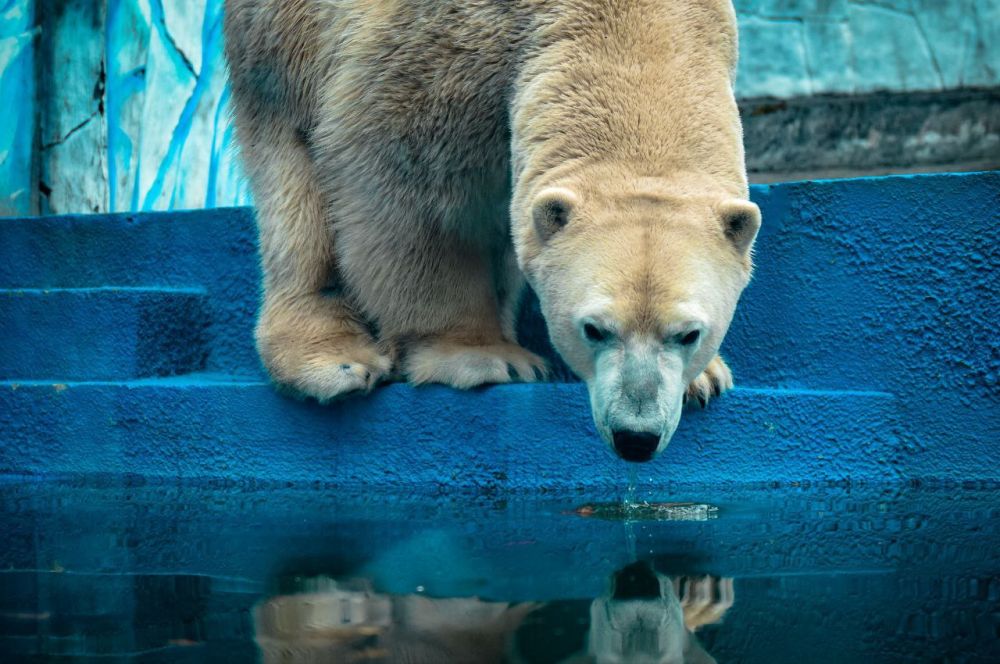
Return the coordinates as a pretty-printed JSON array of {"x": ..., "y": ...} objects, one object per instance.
[
  {"x": 867, "y": 335},
  {"x": 214, "y": 250},
  {"x": 134, "y": 110},
  {"x": 518, "y": 437},
  {"x": 101, "y": 333}
]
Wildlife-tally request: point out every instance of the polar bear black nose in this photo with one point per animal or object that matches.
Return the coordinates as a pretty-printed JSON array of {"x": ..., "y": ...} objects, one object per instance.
[{"x": 634, "y": 446}]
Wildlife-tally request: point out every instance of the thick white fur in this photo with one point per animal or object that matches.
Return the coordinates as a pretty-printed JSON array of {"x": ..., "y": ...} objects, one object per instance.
[{"x": 398, "y": 150}]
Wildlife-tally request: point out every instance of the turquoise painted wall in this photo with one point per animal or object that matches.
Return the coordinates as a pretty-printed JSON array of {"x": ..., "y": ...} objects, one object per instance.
[
  {"x": 17, "y": 36},
  {"x": 132, "y": 109},
  {"x": 791, "y": 48}
]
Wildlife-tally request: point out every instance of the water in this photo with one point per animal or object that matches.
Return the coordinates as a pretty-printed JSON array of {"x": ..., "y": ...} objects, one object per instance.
[
  {"x": 630, "y": 505},
  {"x": 632, "y": 510},
  {"x": 630, "y": 500},
  {"x": 134, "y": 571}
]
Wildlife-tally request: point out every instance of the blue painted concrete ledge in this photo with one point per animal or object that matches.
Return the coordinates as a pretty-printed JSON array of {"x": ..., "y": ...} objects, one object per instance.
[{"x": 865, "y": 349}]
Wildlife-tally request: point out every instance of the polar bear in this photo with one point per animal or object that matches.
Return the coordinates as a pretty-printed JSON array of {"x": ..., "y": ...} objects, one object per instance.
[{"x": 414, "y": 162}]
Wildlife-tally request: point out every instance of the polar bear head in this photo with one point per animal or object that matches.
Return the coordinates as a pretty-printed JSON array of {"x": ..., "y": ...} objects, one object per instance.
[{"x": 637, "y": 283}]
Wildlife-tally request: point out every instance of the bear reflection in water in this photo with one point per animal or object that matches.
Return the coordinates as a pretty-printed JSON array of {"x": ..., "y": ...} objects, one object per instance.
[{"x": 643, "y": 617}]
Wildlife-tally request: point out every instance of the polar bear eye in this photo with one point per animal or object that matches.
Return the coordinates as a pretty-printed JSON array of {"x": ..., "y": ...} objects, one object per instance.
[
  {"x": 690, "y": 338},
  {"x": 594, "y": 333}
]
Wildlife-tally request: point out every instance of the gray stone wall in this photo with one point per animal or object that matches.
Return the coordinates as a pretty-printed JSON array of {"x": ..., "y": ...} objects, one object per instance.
[{"x": 827, "y": 136}]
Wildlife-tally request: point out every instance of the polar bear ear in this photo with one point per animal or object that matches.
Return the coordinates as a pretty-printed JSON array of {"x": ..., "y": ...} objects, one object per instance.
[
  {"x": 740, "y": 222},
  {"x": 551, "y": 211}
]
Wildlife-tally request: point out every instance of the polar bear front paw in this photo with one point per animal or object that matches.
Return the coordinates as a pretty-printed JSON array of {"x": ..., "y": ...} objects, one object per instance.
[
  {"x": 712, "y": 382},
  {"x": 334, "y": 375},
  {"x": 324, "y": 371},
  {"x": 465, "y": 365}
]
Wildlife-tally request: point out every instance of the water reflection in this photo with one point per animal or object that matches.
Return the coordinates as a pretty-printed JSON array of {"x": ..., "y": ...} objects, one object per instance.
[
  {"x": 164, "y": 573},
  {"x": 644, "y": 616}
]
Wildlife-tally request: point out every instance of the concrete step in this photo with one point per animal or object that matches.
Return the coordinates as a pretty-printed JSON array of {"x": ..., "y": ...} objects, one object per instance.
[
  {"x": 520, "y": 437},
  {"x": 212, "y": 250},
  {"x": 103, "y": 333}
]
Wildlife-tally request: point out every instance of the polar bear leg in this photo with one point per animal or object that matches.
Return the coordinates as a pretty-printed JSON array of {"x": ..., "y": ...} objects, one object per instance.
[
  {"x": 312, "y": 344},
  {"x": 466, "y": 333},
  {"x": 443, "y": 303},
  {"x": 487, "y": 355}
]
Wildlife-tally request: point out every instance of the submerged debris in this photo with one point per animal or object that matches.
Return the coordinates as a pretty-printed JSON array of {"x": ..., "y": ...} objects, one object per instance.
[{"x": 644, "y": 511}]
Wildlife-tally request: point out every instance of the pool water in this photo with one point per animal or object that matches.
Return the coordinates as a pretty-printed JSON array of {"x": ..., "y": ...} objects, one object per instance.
[{"x": 135, "y": 570}]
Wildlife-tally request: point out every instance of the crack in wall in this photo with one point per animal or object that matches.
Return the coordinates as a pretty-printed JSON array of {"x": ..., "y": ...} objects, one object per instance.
[
  {"x": 159, "y": 18},
  {"x": 180, "y": 51},
  {"x": 63, "y": 139},
  {"x": 100, "y": 88}
]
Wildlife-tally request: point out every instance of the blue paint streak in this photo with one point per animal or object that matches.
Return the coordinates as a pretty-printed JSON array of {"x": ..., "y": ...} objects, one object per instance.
[
  {"x": 121, "y": 88},
  {"x": 159, "y": 24}
]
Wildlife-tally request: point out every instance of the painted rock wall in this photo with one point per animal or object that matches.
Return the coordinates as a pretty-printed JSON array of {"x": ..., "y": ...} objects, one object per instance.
[{"x": 132, "y": 110}]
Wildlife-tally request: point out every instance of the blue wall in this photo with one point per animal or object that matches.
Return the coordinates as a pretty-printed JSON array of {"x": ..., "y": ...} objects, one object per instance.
[
  {"x": 865, "y": 349},
  {"x": 135, "y": 113}
]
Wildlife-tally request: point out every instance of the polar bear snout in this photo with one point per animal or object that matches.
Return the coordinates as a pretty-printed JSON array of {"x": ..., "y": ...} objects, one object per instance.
[
  {"x": 636, "y": 396},
  {"x": 635, "y": 445}
]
